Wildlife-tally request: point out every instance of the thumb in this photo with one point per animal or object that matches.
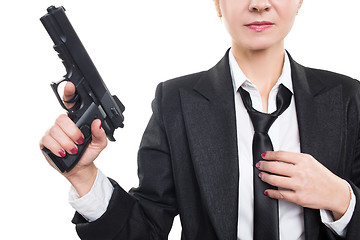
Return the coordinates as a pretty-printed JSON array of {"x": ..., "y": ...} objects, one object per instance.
[{"x": 98, "y": 134}]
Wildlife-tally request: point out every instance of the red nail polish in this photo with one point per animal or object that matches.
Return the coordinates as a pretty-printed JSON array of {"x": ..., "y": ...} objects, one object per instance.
[
  {"x": 74, "y": 150},
  {"x": 260, "y": 175},
  {"x": 266, "y": 193},
  {"x": 100, "y": 126},
  {"x": 258, "y": 165},
  {"x": 80, "y": 140},
  {"x": 62, "y": 153},
  {"x": 263, "y": 154}
]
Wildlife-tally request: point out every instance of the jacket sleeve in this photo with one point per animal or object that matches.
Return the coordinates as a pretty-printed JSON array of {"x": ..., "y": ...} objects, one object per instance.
[
  {"x": 353, "y": 230},
  {"x": 146, "y": 212}
]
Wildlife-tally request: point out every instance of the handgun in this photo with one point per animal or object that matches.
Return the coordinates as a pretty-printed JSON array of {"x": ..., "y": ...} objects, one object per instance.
[{"x": 92, "y": 99}]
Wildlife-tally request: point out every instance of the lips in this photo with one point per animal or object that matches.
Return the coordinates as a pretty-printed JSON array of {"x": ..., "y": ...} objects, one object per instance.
[{"x": 259, "y": 26}]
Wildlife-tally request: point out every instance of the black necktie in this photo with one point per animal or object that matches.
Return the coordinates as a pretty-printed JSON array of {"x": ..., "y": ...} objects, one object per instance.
[{"x": 266, "y": 216}]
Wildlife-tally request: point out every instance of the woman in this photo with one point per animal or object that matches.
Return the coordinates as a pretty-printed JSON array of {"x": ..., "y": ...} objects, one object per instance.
[{"x": 196, "y": 158}]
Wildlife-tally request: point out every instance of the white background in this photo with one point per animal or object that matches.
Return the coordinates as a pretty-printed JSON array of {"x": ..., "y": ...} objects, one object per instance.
[{"x": 134, "y": 45}]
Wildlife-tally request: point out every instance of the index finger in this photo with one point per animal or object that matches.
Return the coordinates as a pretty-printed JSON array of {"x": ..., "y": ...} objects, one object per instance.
[
  {"x": 282, "y": 156},
  {"x": 69, "y": 93}
]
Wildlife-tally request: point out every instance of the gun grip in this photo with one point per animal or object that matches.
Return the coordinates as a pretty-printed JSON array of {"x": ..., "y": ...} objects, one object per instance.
[{"x": 65, "y": 164}]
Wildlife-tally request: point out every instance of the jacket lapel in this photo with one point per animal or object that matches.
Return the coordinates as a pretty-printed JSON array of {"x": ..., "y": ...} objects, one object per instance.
[
  {"x": 319, "y": 106},
  {"x": 209, "y": 115}
]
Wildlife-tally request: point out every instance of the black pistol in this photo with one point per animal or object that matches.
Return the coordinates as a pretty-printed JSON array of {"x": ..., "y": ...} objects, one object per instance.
[{"x": 92, "y": 99}]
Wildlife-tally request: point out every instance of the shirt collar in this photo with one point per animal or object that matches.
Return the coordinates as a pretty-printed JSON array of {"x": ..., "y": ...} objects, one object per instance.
[{"x": 239, "y": 78}]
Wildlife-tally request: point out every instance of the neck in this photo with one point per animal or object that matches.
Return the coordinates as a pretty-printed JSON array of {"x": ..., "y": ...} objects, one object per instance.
[{"x": 262, "y": 67}]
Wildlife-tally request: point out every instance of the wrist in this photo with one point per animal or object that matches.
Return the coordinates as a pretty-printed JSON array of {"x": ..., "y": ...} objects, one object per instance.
[
  {"x": 341, "y": 200},
  {"x": 83, "y": 179}
]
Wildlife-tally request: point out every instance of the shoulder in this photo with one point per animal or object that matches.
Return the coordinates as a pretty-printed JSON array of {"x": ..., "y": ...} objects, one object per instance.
[
  {"x": 170, "y": 88},
  {"x": 324, "y": 79},
  {"x": 350, "y": 85},
  {"x": 182, "y": 82},
  {"x": 167, "y": 101},
  {"x": 331, "y": 77}
]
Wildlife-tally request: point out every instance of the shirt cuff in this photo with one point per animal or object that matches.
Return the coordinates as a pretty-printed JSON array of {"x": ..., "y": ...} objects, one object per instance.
[
  {"x": 339, "y": 226},
  {"x": 94, "y": 204}
]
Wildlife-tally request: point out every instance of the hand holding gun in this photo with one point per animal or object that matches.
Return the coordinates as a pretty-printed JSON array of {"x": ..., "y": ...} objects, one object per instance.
[{"x": 90, "y": 99}]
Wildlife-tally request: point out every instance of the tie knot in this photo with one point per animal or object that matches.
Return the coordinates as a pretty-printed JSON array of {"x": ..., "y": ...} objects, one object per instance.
[{"x": 262, "y": 121}]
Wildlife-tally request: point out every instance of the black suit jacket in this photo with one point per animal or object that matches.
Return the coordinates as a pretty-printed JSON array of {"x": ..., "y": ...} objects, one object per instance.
[{"x": 188, "y": 160}]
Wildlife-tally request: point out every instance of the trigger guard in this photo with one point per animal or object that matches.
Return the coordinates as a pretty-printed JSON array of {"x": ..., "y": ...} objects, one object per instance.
[{"x": 55, "y": 86}]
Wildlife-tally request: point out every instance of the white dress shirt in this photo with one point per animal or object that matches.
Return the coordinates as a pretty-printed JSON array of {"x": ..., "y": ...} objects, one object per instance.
[{"x": 94, "y": 204}]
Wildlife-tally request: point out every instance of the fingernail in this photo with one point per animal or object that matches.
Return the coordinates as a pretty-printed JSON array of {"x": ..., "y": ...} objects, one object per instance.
[
  {"x": 258, "y": 165},
  {"x": 260, "y": 175},
  {"x": 62, "y": 153},
  {"x": 74, "y": 150},
  {"x": 100, "y": 126},
  {"x": 263, "y": 154},
  {"x": 266, "y": 193},
  {"x": 80, "y": 140}
]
